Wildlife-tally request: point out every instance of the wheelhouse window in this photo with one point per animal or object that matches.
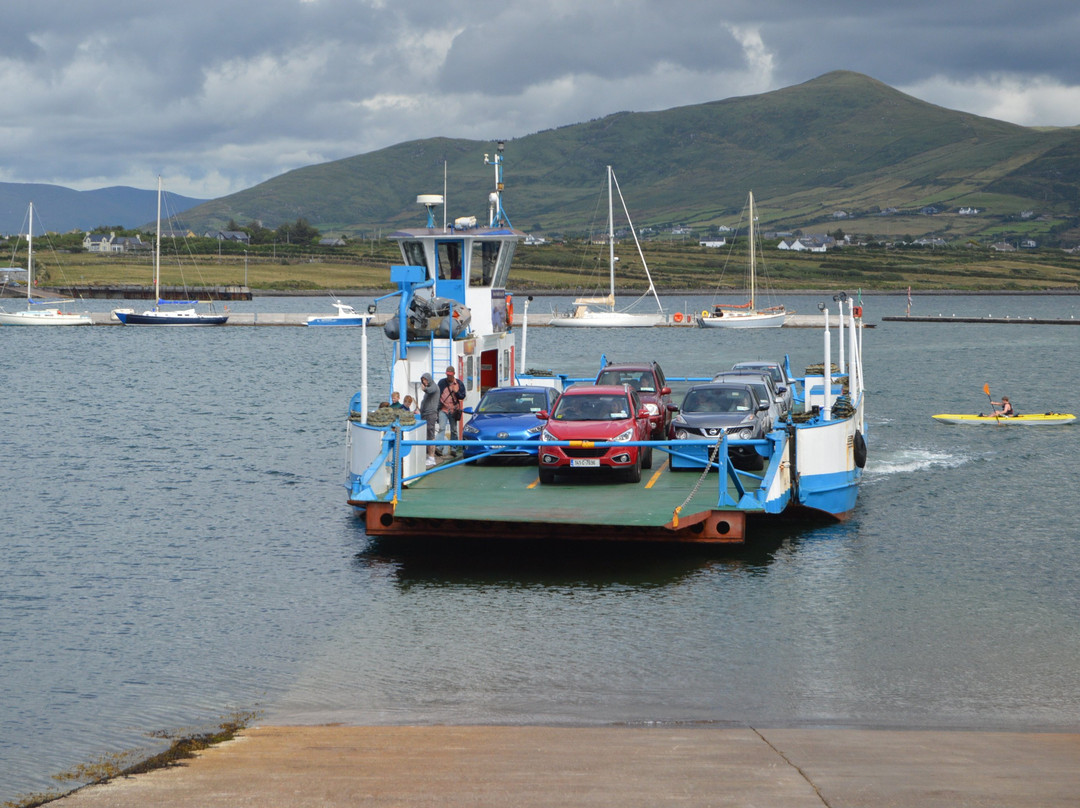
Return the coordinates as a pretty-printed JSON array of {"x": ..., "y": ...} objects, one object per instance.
[
  {"x": 485, "y": 259},
  {"x": 450, "y": 256},
  {"x": 413, "y": 253}
]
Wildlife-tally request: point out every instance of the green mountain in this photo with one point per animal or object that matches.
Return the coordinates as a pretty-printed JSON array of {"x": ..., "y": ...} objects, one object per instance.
[{"x": 841, "y": 150}]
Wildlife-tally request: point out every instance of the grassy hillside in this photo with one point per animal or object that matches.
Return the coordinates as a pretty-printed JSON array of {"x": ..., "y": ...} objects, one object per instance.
[
  {"x": 577, "y": 266},
  {"x": 842, "y": 142}
]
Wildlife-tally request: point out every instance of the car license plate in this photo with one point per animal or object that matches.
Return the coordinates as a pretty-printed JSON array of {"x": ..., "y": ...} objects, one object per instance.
[
  {"x": 587, "y": 462},
  {"x": 495, "y": 446}
]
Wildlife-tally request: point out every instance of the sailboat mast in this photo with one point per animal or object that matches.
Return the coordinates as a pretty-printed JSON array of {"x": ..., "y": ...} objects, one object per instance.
[
  {"x": 30, "y": 258},
  {"x": 611, "y": 240},
  {"x": 157, "y": 248},
  {"x": 753, "y": 273}
]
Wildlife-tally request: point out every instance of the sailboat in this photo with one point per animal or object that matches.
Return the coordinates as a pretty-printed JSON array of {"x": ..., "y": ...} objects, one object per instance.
[
  {"x": 156, "y": 315},
  {"x": 45, "y": 313},
  {"x": 745, "y": 315},
  {"x": 600, "y": 311}
]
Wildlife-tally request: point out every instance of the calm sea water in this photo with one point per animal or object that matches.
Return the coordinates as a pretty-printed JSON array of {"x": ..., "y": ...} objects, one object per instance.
[{"x": 175, "y": 546}]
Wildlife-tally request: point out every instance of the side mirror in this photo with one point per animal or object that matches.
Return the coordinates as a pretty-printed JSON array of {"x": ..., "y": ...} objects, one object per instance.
[
  {"x": 542, "y": 415},
  {"x": 763, "y": 407},
  {"x": 672, "y": 407},
  {"x": 469, "y": 410},
  {"x": 642, "y": 414},
  {"x": 781, "y": 390},
  {"x": 665, "y": 391}
]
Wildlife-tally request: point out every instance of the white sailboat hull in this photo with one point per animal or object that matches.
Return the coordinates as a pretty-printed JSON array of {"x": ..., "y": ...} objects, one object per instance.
[
  {"x": 609, "y": 319},
  {"x": 43, "y": 317},
  {"x": 744, "y": 320}
]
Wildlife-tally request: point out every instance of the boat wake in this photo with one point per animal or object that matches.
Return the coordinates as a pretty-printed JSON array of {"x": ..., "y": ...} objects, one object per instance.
[{"x": 908, "y": 461}]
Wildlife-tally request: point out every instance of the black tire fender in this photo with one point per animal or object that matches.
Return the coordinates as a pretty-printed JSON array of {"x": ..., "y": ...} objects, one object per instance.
[{"x": 859, "y": 445}]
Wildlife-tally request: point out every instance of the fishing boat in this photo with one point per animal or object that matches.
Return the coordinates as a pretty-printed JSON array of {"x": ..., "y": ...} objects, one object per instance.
[
  {"x": 346, "y": 316},
  {"x": 158, "y": 315},
  {"x": 591, "y": 312},
  {"x": 813, "y": 459},
  {"x": 39, "y": 312},
  {"x": 1027, "y": 419},
  {"x": 745, "y": 315}
]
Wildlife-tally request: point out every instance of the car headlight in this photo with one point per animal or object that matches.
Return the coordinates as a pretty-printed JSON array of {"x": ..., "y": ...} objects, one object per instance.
[
  {"x": 652, "y": 409},
  {"x": 627, "y": 435},
  {"x": 535, "y": 430},
  {"x": 746, "y": 433},
  {"x": 545, "y": 435},
  {"x": 682, "y": 434},
  {"x": 471, "y": 430}
]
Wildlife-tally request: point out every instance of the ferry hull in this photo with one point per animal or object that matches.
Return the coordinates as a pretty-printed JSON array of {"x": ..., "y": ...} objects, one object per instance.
[{"x": 705, "y": 527}]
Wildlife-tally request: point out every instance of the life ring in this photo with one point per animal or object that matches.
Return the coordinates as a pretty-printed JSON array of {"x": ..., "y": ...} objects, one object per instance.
[
  {"x": 704, "y": 313},
  {"x": 859, "y": 445},
  {"x": 857, "y": 311},
  {"x": 509, "y": 310},
  {"x": 678, "y": 316}
]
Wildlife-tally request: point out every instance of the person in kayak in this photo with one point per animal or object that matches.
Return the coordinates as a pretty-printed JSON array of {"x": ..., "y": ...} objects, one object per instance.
[{"x": 1006, "y": 410}]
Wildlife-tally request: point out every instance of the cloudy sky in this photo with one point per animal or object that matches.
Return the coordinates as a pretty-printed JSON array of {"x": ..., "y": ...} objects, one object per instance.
[{"x": 218, "y": 95}]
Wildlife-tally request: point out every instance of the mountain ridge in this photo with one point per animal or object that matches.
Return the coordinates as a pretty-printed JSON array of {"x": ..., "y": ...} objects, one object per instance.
[
  {"x": 62, "y": 209},
  {"x": 809, "y": 151},
  {"x": 842, "y": 149}
]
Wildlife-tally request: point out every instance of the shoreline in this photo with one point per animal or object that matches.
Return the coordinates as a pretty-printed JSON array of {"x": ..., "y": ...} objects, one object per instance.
[
  {"x": 527, "y": 767},
  {"x": 57, "y": 292},
  {"x": 367, "y": 292}
]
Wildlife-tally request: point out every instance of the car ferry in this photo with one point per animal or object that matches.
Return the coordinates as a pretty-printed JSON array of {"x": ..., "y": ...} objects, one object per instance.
[{"x": 452, "y": 309}]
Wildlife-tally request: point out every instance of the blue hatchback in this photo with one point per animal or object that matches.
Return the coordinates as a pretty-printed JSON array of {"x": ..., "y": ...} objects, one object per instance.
[{"x": 508, "y": 413}]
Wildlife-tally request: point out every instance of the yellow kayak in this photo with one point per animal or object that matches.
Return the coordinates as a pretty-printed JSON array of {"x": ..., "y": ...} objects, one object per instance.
[{"x": 1035, "y": 419}]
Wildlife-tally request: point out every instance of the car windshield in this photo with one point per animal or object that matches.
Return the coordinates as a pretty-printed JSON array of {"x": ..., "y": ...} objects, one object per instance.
[
  {"x": 598, "y": 407},
  {"x": 772, "y": 370},
  {"x": 716, "y": 400},
  {"x": 639, "y": 380},
  {"x": 512, "y": 401}
]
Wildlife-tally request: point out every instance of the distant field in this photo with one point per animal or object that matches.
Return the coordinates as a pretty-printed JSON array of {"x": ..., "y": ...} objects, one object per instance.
[{"x": 574, "y": 266}]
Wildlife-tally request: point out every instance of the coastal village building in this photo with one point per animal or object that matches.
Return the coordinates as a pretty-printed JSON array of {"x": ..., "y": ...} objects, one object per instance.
[
  {"x": 112, "y": 243},
  {"x": 811, "y": 243}
]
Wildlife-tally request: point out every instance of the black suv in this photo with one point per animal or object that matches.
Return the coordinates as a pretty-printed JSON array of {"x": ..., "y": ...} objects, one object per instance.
[{"x": 647, "y": 380}]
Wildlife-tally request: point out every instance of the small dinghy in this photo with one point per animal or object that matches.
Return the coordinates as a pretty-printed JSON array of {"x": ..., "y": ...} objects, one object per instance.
[{"x": 1035, "y": 419}]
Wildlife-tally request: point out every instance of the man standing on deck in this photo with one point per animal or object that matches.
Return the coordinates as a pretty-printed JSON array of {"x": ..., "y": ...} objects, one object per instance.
[
  {"x": 451, "y": 395},
  {"x": 429, "y": 412}
]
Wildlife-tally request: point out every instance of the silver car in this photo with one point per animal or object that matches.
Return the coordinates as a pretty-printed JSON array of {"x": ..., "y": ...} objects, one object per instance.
[
  {"x": 779, "y": 376},
  {"x": 763, "y": 385}
]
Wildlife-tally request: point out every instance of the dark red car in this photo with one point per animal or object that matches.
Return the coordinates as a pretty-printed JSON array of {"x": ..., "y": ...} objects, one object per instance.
[
  {"x": 594, "y": 413},
  {"x": 647, "y": 380}
]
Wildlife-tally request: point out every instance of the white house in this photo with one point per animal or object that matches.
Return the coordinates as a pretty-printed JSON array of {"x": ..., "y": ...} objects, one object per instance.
[
  {"x": 98, "y": 242},
  {"x": 713, "y": 243}
]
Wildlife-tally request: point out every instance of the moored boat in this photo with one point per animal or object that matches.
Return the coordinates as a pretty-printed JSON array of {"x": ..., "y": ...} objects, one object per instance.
[
  {"x": 346, "y": 316},
  {"x": 812, "y": 460},
  {"x": 158, "y": 315},
  {"x": 745, "y": 315},
  {"x": 39, "y": 312},
  {"x": 600, "y": 311}
]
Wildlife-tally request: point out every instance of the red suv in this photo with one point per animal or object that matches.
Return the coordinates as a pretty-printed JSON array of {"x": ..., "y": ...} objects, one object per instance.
[
  {"x": 589, "y": 413},
  {"x": 647, "y": 380}
]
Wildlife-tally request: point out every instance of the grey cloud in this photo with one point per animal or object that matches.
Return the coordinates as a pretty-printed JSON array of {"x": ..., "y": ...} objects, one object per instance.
[{"x": 225, "y": 95}]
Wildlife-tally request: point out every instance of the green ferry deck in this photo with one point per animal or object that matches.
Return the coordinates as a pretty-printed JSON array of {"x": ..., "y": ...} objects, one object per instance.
[{"x": 508, "y": 501}]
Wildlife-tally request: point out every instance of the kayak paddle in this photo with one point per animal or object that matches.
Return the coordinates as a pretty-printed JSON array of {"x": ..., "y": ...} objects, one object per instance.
[{"x": 986, "y": 389}]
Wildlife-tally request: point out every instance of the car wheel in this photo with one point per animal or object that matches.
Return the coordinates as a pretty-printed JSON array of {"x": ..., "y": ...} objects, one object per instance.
[
  {"x": 633, "y": 474},
  {"x": 547, "y": 476},
  {"x": 646, "y": 457}
]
